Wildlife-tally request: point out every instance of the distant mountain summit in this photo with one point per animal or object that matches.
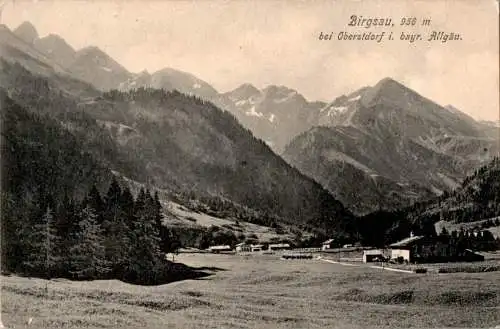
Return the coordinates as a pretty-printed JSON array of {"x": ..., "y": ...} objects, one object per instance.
[
  {"x": 52, "y": 54},
  {"x": 275, "y": 114},
  {"x": 94, "y": 66},
  {"x": 245, "y": 91},
  {"x": 171, "y": 79},
  {"x": 18, "y": 47},
  {"x": 27, "y": 32},
  {"x": 57, "y": 48}
]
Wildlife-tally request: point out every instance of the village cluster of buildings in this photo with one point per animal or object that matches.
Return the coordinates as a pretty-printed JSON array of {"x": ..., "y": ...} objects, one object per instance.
[
  {"x": 246, "y": 247},
  {"x": 414, "y": 249}
]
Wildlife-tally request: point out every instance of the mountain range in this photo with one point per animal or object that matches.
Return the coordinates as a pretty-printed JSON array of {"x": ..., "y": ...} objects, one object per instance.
[
  {"x": 387, "y": 146},
  {"x": 164, "y": 139},
  {"x": 379, "y": 147}
]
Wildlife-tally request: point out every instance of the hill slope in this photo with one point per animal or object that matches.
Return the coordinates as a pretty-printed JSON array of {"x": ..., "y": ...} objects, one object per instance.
[
  {"x": 476, "y": 199},
  {"x": 192, "y": 143}
]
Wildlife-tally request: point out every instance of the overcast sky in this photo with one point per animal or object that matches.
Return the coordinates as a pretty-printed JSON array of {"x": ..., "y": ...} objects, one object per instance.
[{"x": 227, "y": 43}]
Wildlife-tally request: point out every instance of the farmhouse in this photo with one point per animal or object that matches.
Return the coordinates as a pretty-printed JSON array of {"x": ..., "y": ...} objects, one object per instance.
[
  {"x": 243, "y": 247},
  {"x": 279, "y": 246},
  {"x": 425, "y": 249},
  {"x": 372, "y": 256},
  {"x": 328, "y": 244},
  {"x": 406, "y": 249}
]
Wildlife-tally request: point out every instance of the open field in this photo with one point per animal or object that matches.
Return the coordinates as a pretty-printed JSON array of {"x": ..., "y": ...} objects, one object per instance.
[{"x": 260, "y": 291}]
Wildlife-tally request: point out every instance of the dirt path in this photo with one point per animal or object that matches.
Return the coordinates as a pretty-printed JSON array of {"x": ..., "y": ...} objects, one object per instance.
[{"x": 358, "y": 265}]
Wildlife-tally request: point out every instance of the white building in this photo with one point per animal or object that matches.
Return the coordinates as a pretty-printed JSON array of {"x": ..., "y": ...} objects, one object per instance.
[
  {"x": 256, "y": 247},
  {"x": 243, "y": 247},
  {"x": 217, "y": 249},
  {"x": 279, "y": 246},
  {"x": 327, "y": 244},
  {"x": 372, "y": 255}
]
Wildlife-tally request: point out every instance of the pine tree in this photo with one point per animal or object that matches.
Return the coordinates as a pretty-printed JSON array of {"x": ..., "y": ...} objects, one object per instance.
[
  {"x": 126, "y": 204},
  {"x": 42, "y": 258},
  {"x": 116, "y": 231},
  {"x": 95, "y": 201},
  {"x": 65, "y": 220},
  {"x": 145, "y": 255},
  {"x": 88, "y": 254},
  {"x": 165, "y": 235},
  {"x": 12, "y": 221}
]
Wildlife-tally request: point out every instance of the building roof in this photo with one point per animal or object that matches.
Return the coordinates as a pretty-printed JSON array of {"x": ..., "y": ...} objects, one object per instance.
[
  {"x": 242, "y": 244},
  {"x": 407, "y": 242},
  {"x": 373, "y": 252},
  {"x": 279, "y": 245},
  {"x": 257, "y": 245},
  {"x": 219, "y": 247},
  {"x": 328, "y": 241}
]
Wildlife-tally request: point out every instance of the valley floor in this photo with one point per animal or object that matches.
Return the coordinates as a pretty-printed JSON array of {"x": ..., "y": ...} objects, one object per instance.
[{"x": 259, "y": 291}]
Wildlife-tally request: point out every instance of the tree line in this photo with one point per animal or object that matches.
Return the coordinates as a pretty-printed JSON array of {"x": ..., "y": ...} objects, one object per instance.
[
  {"x": 114, "y": 236},
  {"x": 470, "y": 239}
]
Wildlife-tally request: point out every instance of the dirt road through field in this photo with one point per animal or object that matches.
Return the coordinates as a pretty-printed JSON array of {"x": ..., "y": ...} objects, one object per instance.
[{"x": 359, "y": 265}]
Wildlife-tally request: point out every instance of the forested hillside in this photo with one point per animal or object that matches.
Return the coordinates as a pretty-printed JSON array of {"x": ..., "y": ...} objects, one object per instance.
[
  {"x": 190, "y": 143},
  {"x": 477, "y": 198}
]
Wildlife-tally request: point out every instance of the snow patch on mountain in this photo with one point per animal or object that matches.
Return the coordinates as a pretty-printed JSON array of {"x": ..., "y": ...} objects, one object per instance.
[
  {"x": 333, "y": 110},
  {"x": 242, "y": 102},
  {"x": 196, "y": 86},
  {"x": 354, "y": 98},
  {"x": 272, "y": 117},
  {"x": 254, "y": 113}
]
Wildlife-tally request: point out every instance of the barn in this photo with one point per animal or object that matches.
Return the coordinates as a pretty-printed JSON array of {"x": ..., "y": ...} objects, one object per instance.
[
  {"x": 423, "y": 249},
  {"x": 372, "y": 256},
  {"x": 427, "y": 249}
]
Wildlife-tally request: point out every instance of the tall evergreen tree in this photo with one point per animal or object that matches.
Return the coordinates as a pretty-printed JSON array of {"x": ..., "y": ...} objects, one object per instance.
[
  {"x": 95, "y": 201},
  {"x": 88, "y": 253},
  {"x": 126, "y": 202},
  {"x": 66, "y": 221},
  {"x": 145, "y": 255},
  {"x": 42, "y": 258},
  {"x": 117, "y": 240},
  {"x": 165, "y": 234}
]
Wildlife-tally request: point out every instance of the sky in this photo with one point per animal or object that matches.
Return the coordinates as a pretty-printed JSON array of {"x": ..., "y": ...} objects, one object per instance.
[{"x": 264, "y": 42}]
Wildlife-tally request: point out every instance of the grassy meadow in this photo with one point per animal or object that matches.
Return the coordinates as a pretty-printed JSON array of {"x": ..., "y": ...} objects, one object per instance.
[{"x": 260, "y": 291}]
